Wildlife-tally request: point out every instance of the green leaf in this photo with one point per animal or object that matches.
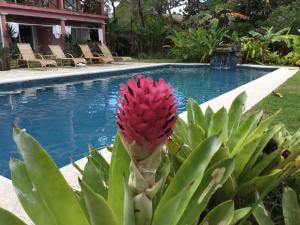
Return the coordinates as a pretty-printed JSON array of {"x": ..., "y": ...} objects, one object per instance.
[
  {"x": 260, "y": 184},
  {"x": 180, "y": 132},
  {"x": 196, "y": 135},
  {"x": 290, "y": 207},
  {"x": 195, "y": 114},
  {"x": 93, "y": 177},
  {"x": 213, "y": 179},
  {"x": 261, "y": 215},
  {"x": 235, "y": 112},
  {"x": 218, "y": 124},
  {"x": 192, "y": 170},
  {"x": 48, "y": 181},
  {"x": 239, "y": 214},
  {"x": 208, "y": 115},
  {"x": 265, "y": 138},
  {"x": 165, "y": 215},
  {"x": 162, "y": 174},
  {"x": 100, "y": 162},
  {"x": 129, "y": 218},
  {"x": 119, "y": 167},
  {"x": 263, "y": 163},
  {"x": 235, "y": 143},
  {"x": 29, "y": 198},
  {"x": 262, "y": 127},
  {"x": 98, "y": 209},
  {"x": 244, "y": 156},
  {"x": 221, "y": 214},
  {"x": 7, "y": 218}
]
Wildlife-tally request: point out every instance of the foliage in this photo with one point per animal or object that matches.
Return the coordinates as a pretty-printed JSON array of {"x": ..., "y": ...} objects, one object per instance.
[
  {"x": 196, "y": 44},
  {"x": 104, "y": 197},
  {"x": 4, "y": 58},
  {"x": 116, "y": 38},
  {"x": 267, "y": 35},
  {"x": 217, "y": 170},
  {"x": 290, "y": 210},
  {"x": 284, "y": 16},
  {"x": 4, "y": 52},
  {"x": 259, "y": 166},
  {"x": 253, "y": 50},
  {"x": 71, "y": 45},
  {"x": 267, "y": 46},
  {"x": 153, "y": 36}
]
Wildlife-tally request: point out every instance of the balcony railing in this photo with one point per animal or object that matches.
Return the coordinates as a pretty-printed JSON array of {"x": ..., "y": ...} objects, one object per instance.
[
  {"x": 84, "y": 6},
  {"x": 36, "y": 3}
]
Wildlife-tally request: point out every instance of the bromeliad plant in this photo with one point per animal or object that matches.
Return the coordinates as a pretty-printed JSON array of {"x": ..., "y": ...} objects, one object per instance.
[
  {"x": 265, "y": 154},
  {"x": 212, "y": 163},
  {"x": 134, "y": 189}
]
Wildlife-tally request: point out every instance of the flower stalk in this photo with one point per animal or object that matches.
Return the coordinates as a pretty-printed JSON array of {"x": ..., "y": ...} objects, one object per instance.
[{"x": 145, "y": 119}]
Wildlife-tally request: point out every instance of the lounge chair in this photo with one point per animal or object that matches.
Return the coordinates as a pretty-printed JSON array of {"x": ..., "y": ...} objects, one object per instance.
[
  {"x": 114, "y": 56},
  {"x": 28, "y": 56},
  {"x": 89, "y": 56},
  {"x": 61, "y": 56}
]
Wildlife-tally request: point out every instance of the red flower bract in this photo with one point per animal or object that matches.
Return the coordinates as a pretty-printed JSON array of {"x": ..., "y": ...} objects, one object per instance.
[{"x": 147, "y": 112}]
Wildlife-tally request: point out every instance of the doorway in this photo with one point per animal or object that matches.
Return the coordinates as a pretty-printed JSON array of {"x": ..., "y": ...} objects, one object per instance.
[{"x": 26, "y": 35}]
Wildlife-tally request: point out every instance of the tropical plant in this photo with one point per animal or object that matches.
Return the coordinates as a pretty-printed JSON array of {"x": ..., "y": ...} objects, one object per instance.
[
  {"x": 209, "y": 172},
  {"x": 253, "y": 50},
  {"x": 132, "y": 189},
  {"x": 272, "y": 58},
  {"x": 116, "y": 38},
  {"x": 4, "y": 58},
  {"x": 152, "y": 36},
  {"x": 264, "y": 155},
  {"x": 290, "y": 210},
  {"x": 196, "y": 44},
  {"x": 267, "y": 35}
]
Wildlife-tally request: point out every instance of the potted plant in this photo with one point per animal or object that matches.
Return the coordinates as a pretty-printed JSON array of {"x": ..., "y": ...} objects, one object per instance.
[{"x": 4, "y": 58}]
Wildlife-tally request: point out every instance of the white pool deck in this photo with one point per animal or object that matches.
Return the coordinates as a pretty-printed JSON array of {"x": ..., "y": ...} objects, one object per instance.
[{"x": 256, "y": 91}]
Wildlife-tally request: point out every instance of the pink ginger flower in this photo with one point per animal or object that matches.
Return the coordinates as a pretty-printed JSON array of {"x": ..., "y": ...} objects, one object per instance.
[{"x": 147, "y": 113}]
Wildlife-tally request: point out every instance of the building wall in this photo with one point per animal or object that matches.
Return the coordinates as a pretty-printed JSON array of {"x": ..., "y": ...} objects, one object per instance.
[{"x": 45, "y": 37}]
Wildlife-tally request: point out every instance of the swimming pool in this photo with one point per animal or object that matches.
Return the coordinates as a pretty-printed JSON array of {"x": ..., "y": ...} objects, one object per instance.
[{"x": 66, "y": 117}]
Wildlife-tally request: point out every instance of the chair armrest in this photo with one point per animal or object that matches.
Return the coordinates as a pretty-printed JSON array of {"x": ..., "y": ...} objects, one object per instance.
[
  {"x": 115, "y": 54},
  {"x": 96, "y": 54},
  {"x": 70, "y": 55},
  {"x": 19, "y": 56},
  {"x": 49, "y": 56},
  {"x": 39, "y": 55}
]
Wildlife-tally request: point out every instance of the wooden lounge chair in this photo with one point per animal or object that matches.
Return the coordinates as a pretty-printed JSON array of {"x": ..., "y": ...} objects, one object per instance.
[
  {"x": 89, "y": 56},
  {"x": 114, "y": 56},
  {"x": 28, "y": 56},
  {"x": 62, "y": 58}
]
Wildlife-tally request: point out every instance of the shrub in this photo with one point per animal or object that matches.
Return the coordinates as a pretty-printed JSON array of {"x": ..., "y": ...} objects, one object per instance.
[{"x": 196, "y": 44}]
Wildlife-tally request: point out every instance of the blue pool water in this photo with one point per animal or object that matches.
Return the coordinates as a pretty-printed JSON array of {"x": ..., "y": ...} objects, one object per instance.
[{"x": 65, "y": 118}]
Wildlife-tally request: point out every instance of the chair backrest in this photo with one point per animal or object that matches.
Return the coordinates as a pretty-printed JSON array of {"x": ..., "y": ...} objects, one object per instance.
[
  {"x": 57, "y": 51},
  {"x": 105, "y": 51},
  {"x": 26, "y": 51},
  {"x": 86, "y": 51}
]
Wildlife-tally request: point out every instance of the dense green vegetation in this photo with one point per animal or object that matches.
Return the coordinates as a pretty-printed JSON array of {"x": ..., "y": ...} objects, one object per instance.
[
  {"x": 289, "y": 104},
  {"x": 266, "y": 32}
]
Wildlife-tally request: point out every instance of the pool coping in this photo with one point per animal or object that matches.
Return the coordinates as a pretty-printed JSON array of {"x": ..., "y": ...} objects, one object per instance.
[
  {"x": 101, "y": 72},
  {"x": 256, "y": 91}
]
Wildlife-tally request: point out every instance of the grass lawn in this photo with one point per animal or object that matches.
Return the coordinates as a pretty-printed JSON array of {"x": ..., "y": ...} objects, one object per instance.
[{"x": 289, "y": 104}]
